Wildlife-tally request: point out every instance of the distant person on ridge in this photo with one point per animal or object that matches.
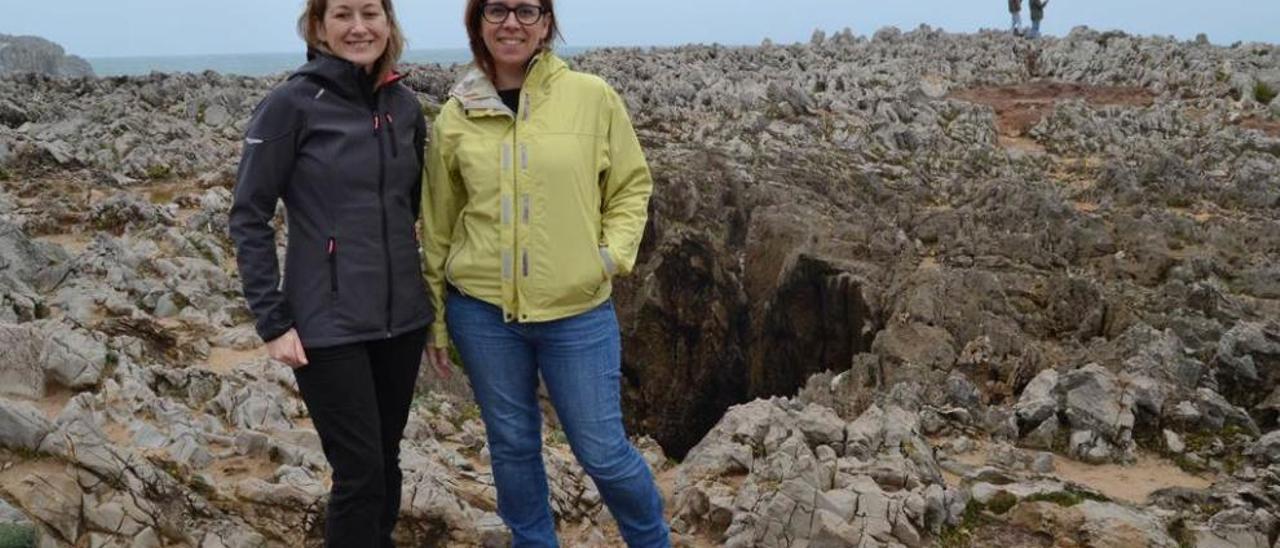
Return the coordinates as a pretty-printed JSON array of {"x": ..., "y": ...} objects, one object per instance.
[{"x": 1037, "y": 14}]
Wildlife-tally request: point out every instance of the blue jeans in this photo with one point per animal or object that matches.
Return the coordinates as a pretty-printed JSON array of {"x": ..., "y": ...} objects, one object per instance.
[{"x": 579, "y": 359}]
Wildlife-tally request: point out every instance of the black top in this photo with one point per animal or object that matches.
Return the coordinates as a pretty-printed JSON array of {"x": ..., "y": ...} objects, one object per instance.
[
  {"x": 346, "y": 160},
  {"x": 511, "y": 98}
]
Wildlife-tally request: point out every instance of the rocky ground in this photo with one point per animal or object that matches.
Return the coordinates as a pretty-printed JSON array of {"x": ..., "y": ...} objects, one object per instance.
[{"x": 915, "y": 289}]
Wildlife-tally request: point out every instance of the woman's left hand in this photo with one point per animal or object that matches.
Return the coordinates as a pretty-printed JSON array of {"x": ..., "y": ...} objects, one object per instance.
[{"x": 438, "y": 357}]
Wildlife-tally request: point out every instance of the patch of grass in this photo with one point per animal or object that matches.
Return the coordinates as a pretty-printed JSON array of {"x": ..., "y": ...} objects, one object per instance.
[
  {"x": 24, "y": 454},
  {"x": 162, "y": 196},
  {"x": 557, "y": 438},
  {"x": 4, "y": 174},
  {"x": 1062, "y": 441},
  {"x": 1264, "y": 93},
  {"x": 961, "y": 536},
  {"x": 1230, "y": 443},
  {"x": 42, "y": 311},
  {"x": 159, "y": 171},
  {"x": 1198, "y": 441},
  {"x": 469, "y": 411},
  {"x": 169, "y": 467},
  {"x": 13, "y": 535},
  {"x": 1189, "y": 466},
  {"x": 1180, "y": 200},
  {"x": 1181, "y": 534},
  {"x": 1002, "y": 502},
  {"x": 955, "y": 537},
  {"x": 1067, "y": 498},
  {"x": 201, "y": 485},
  {"x": 1061, "y": 498}
]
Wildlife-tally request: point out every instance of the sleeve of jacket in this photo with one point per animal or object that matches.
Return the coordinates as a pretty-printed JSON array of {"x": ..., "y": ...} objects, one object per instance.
[
  {"x": 442, "y": 198},
  {"x": 266, "y": 165},
  {"x": 626, "y": 185}
]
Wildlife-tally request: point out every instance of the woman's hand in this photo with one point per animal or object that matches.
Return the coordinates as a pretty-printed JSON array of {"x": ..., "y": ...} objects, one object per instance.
[
  {"x": 438, "y": 357},
  {"x": 287, "y": 349}
]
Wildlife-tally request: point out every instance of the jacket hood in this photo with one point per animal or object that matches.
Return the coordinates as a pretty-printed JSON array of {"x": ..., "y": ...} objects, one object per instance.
[
  {"x": 477, "y": 93},
  {"x": 341, "y": 76}
]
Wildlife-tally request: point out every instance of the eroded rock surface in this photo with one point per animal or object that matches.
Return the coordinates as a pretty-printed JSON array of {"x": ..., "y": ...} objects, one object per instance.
[{"x": 895, "y": 289}]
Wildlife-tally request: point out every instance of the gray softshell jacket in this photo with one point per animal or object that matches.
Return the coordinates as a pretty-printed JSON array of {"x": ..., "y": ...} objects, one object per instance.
[{"x": 346, "y": 159}]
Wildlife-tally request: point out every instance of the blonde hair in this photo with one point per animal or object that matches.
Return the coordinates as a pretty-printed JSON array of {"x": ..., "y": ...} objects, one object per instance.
[{"x": 309, "y": 29}]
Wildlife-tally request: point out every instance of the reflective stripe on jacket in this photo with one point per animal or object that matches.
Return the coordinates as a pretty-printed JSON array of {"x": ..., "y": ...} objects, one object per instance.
[{"x": 534, "y": 212}]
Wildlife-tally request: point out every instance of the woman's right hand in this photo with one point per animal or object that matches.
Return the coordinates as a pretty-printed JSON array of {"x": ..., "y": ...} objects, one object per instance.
[
  {"x": 287, "y": 349},
  {"x": 438, "y": 357}
]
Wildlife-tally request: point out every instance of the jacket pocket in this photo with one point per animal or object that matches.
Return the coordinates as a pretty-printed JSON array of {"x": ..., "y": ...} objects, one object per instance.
[
  {"x": 606, "y": 262},
  {"x": 596, "y": 275}
]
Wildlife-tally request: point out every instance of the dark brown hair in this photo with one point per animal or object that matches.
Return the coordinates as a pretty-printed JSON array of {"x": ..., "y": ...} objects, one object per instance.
[
  {"x": 473, "y": 19},
  {"x": 313, "y": 16}
]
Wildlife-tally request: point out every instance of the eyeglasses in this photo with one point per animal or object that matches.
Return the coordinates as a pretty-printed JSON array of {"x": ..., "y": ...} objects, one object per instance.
[{"x": 526, "y": 14}]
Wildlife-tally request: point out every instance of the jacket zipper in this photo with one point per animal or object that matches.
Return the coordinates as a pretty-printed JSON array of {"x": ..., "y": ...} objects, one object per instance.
[
  {"x": 332, "y": 251},
  {"x": 391, "y": 128},
  {"x": 515, "y": 191},
  {"x": 382, "y": 206}
]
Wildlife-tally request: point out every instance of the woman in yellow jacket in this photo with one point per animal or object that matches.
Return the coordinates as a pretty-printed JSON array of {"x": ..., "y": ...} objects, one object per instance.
[{"x": 536, "y": 196}]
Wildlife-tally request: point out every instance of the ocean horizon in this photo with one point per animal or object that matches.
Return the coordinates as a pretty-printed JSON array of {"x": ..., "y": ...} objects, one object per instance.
[{"x": 261, "y": 64}]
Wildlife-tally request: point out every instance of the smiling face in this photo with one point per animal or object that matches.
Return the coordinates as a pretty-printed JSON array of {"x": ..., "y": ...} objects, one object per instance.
[
  {"x": 355, "y": 30},
  {"x": 512, "y": 43}
]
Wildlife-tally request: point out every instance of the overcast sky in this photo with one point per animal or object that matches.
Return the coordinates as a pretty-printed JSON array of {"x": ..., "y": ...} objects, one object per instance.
[{"x": 96, "y": 28}]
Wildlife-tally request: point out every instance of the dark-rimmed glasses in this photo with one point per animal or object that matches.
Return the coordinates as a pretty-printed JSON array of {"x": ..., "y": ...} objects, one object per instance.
[{"x": 526, "y": 14}]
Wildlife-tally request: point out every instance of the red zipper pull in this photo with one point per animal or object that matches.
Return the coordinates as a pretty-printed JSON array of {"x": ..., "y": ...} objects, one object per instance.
[{"x": 333, "y": 246}]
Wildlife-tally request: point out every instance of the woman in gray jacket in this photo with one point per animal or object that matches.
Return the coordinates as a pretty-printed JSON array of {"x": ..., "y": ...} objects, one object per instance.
[{"x": 341, "y": 144}]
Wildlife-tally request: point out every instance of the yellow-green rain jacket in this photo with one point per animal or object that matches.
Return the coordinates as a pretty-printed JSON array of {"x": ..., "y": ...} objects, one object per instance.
[{"x": 532, "y": 213}]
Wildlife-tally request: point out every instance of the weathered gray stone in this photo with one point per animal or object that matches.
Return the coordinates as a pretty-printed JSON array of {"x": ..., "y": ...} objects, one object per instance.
[
  {"x": 31, "y": 54},
  {"x": 21, "y": 367},
  {"x": 1113, "y": 525},
  {"x": 1038, "y": 400},
  {"x": 72, "y": 357},
  {"x": 831, "y": 531},
  {"x": 821, "y": 426},
  {"x": 1267, "y": 449},
  {"x": 1173, "y": 442},
  {"x": 22, "y": 425},
  {"x": 1233, "y": 528},
  {"x": 52, "y": 499}
]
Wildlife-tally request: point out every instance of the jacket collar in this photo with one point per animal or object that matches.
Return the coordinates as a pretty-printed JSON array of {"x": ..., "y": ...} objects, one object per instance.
[
  {"x": 479, "y": 97},
  {"x": 341, "y": 76}
]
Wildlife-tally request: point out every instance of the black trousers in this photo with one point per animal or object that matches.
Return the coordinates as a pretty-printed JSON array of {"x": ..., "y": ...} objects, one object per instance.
[{"x": 358, "y": 396}]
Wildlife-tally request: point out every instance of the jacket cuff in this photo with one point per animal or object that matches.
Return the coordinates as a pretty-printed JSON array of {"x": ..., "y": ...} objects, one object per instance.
[
  {"x": 272, "y": 332},
  {"x": 439, "y": 335},
  {"x": 276, "y": 323}
]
